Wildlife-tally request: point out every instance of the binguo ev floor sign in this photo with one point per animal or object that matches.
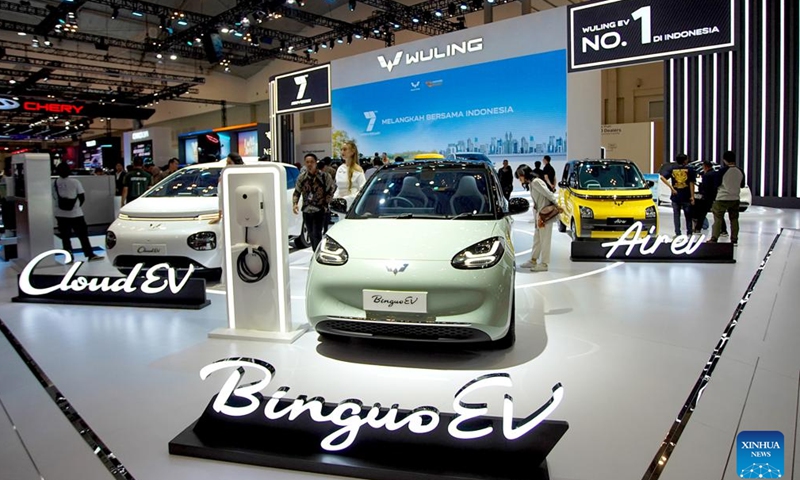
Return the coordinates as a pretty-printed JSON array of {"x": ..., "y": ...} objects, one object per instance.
[
  {"x": 611, "y": 33},
  {"x": 241, "y": 424}
]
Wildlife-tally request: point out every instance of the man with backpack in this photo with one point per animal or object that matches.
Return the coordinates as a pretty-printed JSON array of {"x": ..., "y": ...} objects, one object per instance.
[
  {"x": 69, "y": 196},
  {"x": 727, "y": 201}
]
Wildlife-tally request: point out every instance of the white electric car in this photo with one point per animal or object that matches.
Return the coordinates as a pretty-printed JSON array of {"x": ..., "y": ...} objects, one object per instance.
[
  {"x": 177, "y": 221},
  {"x": 424, "y": 254}
]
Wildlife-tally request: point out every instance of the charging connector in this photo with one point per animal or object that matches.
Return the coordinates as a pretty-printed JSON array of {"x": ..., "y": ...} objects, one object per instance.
[{"x": 246, "y": 274}]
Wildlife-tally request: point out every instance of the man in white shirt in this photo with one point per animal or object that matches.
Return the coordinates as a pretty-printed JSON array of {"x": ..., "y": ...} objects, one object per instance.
[
  {"x": 68, "y": 196},
  {"x": 727, "y": 200}
]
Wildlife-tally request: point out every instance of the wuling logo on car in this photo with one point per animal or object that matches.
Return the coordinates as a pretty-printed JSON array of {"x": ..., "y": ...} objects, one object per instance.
[
  {"x": 8, "y": 104},
  {"x": 422, "y": 56},
  {"x": 396, "y": 268}
]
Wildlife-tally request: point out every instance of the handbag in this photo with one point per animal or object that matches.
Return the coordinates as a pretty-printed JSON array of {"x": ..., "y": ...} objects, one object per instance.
[
  {"x": 548, "y": 213},
  {"x": 66, "y": 204}
]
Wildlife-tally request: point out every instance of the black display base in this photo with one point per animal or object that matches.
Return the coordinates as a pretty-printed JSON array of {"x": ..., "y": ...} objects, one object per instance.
[
  {"x": 114, "y": 303},
  {"x": 376, "y": 454},
  {"x": 594, "y": 251},
  {"x": 191, "y": 297}
]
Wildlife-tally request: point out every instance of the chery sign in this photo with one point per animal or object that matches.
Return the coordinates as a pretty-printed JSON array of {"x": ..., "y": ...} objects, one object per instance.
[{"x": 52, "y": 107}]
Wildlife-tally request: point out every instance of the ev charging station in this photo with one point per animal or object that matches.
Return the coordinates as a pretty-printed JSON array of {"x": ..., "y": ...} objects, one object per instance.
[
  {"x": 256, "y": 245},
  {"x": 33, "y": 205}
]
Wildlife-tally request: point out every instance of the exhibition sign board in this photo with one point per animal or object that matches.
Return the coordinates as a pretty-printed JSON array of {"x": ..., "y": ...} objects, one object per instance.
[
  {"x": 304, "y": 90},
  {"x": 73, "y": 108},
  {"x": 157, "y": 286},
  {"x": 634, "y": 246},
  {"x": 306, "y": 433},
  {"x": 610, "y": 33}
]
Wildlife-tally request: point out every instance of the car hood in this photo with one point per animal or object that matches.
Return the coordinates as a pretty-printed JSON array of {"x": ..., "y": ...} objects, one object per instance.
[
  {"x": 411, "y": 239},
  {"x": 633, "y": 194},
  {"x": 168, "y": 207}
]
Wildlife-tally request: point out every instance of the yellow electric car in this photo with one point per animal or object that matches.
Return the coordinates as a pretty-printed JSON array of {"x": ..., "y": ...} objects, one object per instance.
[{"x": 602, "y": 198}]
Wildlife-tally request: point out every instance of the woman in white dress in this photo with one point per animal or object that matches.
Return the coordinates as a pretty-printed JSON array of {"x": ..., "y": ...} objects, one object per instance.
[
  {"x": 542, "y": 197},
  {"x": 350, "y": 177}
]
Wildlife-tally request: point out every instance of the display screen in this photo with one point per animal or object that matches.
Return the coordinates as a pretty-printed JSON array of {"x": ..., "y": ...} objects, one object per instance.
[
  {"x": 615, "y": 32},
  {"x": 143, "y": 150},
  {"x": 248, "y": 144},
  {"x": 514, "y": 108},
  {"x": 190, "y": 150},
  {"x": 224, "y": 144}
]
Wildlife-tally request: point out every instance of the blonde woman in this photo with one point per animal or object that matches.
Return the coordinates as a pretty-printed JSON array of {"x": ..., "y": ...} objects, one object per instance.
[{"x": 350, "y": 177}]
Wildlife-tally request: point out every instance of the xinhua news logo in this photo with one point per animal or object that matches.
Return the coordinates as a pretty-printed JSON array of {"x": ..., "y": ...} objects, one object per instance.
[{"x": 759, "y": 454}]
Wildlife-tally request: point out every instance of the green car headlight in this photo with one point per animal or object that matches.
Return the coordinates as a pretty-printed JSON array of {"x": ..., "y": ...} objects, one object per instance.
[
  {"x": 484, "y": 254},
  {"x": 650, "y": 212},
  {"x": 331, "y": 253},
  {"x": 587, "y": 212}
]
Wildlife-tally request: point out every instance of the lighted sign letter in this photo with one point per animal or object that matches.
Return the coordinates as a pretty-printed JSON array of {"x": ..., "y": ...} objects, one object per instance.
[
  {"x": 231, "y": 386},
  {"x": 534, "y": 419},
  {"x": 468, "y": 411}
]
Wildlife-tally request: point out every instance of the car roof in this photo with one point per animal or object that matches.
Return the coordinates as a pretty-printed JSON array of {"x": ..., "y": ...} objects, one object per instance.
[
  {"x": 222, "y": 164},
  {"x": 441, "y": 163},
  {"x": 603, "y": 160}
]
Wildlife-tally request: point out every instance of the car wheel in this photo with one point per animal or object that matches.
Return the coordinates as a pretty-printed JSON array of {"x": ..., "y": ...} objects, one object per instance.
[
  {"x": 302, "y": 241},
  {"x": 561, "y": 227},
  {"x": 573, "y": 232},
  {"x": 511, "y": 336}
]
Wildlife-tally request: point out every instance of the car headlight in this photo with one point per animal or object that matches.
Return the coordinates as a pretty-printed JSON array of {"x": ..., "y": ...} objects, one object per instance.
[
  {"x": 484, "y": 254},
  {"x": 331, "y": 253},
  {"x": 650, "y": 212},
  {"x": 111, "y": 240},
  {"x": 586, "y": 212},
  {"x": 202, "y": 241}
]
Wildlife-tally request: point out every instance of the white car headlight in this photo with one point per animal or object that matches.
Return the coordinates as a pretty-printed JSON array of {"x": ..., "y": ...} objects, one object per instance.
[
  {"x": 331, "y": 253},
  {"x": 650, "y": 212},
  {"x": 484, "y": 254},
  {"x": 111, "y": 240},
  {"x": 586, "y": 212}
]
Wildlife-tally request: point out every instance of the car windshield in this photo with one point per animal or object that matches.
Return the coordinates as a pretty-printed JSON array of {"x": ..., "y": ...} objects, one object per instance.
[
  {"x": 189, "y": 182},
  {"x": 442, "y": 191},
  {"x": 609, "y": 176}
]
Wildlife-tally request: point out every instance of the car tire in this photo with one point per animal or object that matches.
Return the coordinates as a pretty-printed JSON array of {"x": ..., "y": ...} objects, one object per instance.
[
  {"x": 561, "y": 227},
  {"x": 573, "y": 231},
  {"x": 507, "y": 341},
  {"x": 302, "y": 241}
]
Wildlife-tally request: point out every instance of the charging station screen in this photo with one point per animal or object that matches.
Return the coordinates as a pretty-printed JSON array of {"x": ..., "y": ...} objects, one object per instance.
[
  {"x": 224, "y": 144},
  {"x": 514, "y": 108}
]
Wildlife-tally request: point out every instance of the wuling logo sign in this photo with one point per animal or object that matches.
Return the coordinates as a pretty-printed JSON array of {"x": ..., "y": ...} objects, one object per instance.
[{"x": 427, "y": 55}]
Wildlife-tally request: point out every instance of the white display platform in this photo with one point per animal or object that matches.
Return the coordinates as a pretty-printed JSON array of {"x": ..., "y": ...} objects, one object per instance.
[{"x": 627, "y": 341}]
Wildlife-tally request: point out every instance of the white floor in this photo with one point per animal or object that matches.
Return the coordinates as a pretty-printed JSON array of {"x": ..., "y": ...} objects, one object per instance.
[{"x": 627, "y": 341}]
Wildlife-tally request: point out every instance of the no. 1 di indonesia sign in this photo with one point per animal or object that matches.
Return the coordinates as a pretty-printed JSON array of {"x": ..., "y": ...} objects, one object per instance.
[{"x": 351, "y": 438}]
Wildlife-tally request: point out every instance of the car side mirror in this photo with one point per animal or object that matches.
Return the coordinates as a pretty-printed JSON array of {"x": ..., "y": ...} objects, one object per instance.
[
  {"x": 339, "y": 205},
  {"x": 518, "y": 205},
  {"x": 649, "y": 183},
  {"x": 562, "y": 184}
]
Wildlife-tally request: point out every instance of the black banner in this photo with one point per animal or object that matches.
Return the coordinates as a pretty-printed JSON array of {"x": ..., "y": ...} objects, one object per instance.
[
  {"x": 74, "y": 108},
  {"x": 606, "y": 33},
  {"x": 304, "y": 90},
  {"x": 599, "y": 251}
]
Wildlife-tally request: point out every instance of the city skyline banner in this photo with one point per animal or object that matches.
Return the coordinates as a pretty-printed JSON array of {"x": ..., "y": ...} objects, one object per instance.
[{"x": 514, "y": 106}]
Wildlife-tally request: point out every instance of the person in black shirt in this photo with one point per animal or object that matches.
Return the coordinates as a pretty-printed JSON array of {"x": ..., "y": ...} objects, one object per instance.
[
  {"x": 506, "y": 179},
  {"x": 316, "y": 188},
  {"x": 549, "y": 174},
  {"x": 680, "y": 178},
  {"x": 706, "y": 193}
]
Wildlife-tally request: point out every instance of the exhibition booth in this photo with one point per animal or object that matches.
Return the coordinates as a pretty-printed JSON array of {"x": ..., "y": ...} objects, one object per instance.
[{"x": 360, "y": 359}]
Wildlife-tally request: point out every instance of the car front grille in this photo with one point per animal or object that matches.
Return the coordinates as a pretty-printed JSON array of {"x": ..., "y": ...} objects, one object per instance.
[{"x": 402, "y": 331}]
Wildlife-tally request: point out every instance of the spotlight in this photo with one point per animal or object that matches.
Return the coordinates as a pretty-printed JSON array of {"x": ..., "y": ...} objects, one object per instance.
[
  {"x": 415, "y": 19},
  {"x": 115, "y": 13},
  {"x": 198, "y": 39},
  {"x": 35, "y": 42},
  {"x": 159, "y": 56},
  {"x": 21, "y": 34},
  {"x": 183, "y": 22},
  {"x": 323, "y": 45},
  {"x": 227, "y": 69},
  {"x": 376, "y": 31},
  {"x": 224, "y": 30},
  {"x": 310, "y": 49},
  {"x": 12, "y": 81},
  {"x": 357, "y": 36},
  {"x": 351, "y": 4},
  {"x": 340, "y": 40},
  {"x": 173, "y": 57},
  {"x": 438, "y": 13},
  {"x": 137, "y": 13},
  {"x": 47, "y": 42}
]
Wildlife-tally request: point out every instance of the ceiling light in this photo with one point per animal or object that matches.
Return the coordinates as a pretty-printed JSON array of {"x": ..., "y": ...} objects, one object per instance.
[
  {"x": 198, "y": 39},
  {"x": 238, "y": 34},
  {"x": 182, "y": 22},
  {"x": 47, "y": 42},
  {"x": 340, "y": 40},
  {"x": 415, "y": 19},
  {"x": 12, "y": 81},
  {"x": 137, "y": 13},
  {"x": 227, "y": 69},
  {"x": 159, "y": 56},
  {"x": 224, "y": 30},
  {"x": 357, "y": 35},
  {"x": 21, "y": 34},
  {"x": 438, "y": 13},
  {"x": 173, "y": 57},
  {"x": 463, "y": 6},
  {"x": 323, "y": 45}
]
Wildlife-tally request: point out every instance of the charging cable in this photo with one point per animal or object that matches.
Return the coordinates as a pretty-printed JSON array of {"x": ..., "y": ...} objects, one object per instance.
[{"x": 245, "y": 272}]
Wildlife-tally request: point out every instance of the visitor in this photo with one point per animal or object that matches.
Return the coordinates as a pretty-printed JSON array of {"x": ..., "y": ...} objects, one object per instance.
[
  {"x": 316, "y": 188},
  {"x": 680, "y": 178},
  {"x": 349, "y": 176},
  {"x": 69, "y": 196}
]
